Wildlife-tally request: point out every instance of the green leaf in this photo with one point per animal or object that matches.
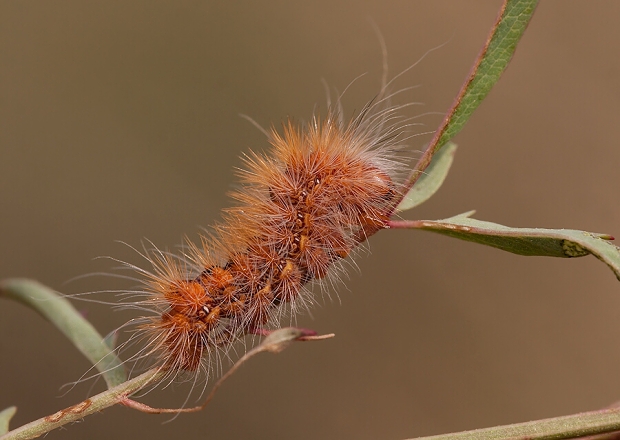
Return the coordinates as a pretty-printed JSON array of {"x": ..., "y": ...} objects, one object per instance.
[
  {"x": 493, "y": 59},
  {"x": 491, "y": 64},
  {"x": 56, "y": 309},
  {"x": 431, "y": 180},
  {"x": 111, "y": 340},
  {"x": 565, "y": 243},
  {"x": 5, "y": 417}
]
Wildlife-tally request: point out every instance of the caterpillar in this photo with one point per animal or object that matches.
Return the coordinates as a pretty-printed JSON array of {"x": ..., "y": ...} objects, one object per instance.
[{"x": 301, "y": 210}]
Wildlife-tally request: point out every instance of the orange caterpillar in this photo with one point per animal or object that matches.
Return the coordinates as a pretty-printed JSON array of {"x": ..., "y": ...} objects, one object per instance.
[{"x": 301, "y": 209}]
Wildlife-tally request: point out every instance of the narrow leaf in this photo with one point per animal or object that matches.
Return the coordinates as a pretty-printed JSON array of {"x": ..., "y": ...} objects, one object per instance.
[
  {"x": 491, "y": 63},
  {"x": 56, "y": 309},
  {"x": 493, "y": 59},
  {"x": 565, "y": 243},
  {"x": 5, "y": 418},
  {"x": 111, "y": 340},
  {"x": 431, "y": 180}
]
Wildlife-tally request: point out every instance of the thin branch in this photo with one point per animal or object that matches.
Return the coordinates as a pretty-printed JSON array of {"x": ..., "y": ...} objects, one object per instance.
[
  {"x": 578, "y": 425},
  {"x": 85, "y": 408},
  {"x": 275, "y": 342}
]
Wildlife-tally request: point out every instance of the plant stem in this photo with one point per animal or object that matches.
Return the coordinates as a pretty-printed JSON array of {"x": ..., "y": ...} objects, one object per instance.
[
  {"x": 578, "y": 425},
  {"x": 89, "y": 406},
  {"x": 276, "y": 341}
]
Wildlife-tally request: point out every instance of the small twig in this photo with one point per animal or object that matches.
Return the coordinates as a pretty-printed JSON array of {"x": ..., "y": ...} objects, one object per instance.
[
  {"x": 275, "y": 342},
  {"x": 85, "y": 408},
  {"x": 405, "y": 224},
  {"x": 599, "y": 422}
]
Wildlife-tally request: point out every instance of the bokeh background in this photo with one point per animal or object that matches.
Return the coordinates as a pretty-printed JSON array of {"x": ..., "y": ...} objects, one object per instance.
[{"x": 119, "y": 121}]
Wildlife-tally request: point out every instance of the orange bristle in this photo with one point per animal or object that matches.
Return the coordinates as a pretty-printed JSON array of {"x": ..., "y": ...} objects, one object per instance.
[{"x": 300, "y": 210}]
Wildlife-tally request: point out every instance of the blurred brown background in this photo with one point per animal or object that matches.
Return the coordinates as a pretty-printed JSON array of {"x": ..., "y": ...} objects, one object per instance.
[{"x": 119, "y": 121}]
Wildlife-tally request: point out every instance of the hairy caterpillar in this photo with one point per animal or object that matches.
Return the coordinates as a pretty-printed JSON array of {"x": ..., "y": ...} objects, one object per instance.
[{"x": 301, "y": 210}]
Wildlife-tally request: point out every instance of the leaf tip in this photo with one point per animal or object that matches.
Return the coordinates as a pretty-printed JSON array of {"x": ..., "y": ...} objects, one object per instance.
[{"x": 5, "y": 417}]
